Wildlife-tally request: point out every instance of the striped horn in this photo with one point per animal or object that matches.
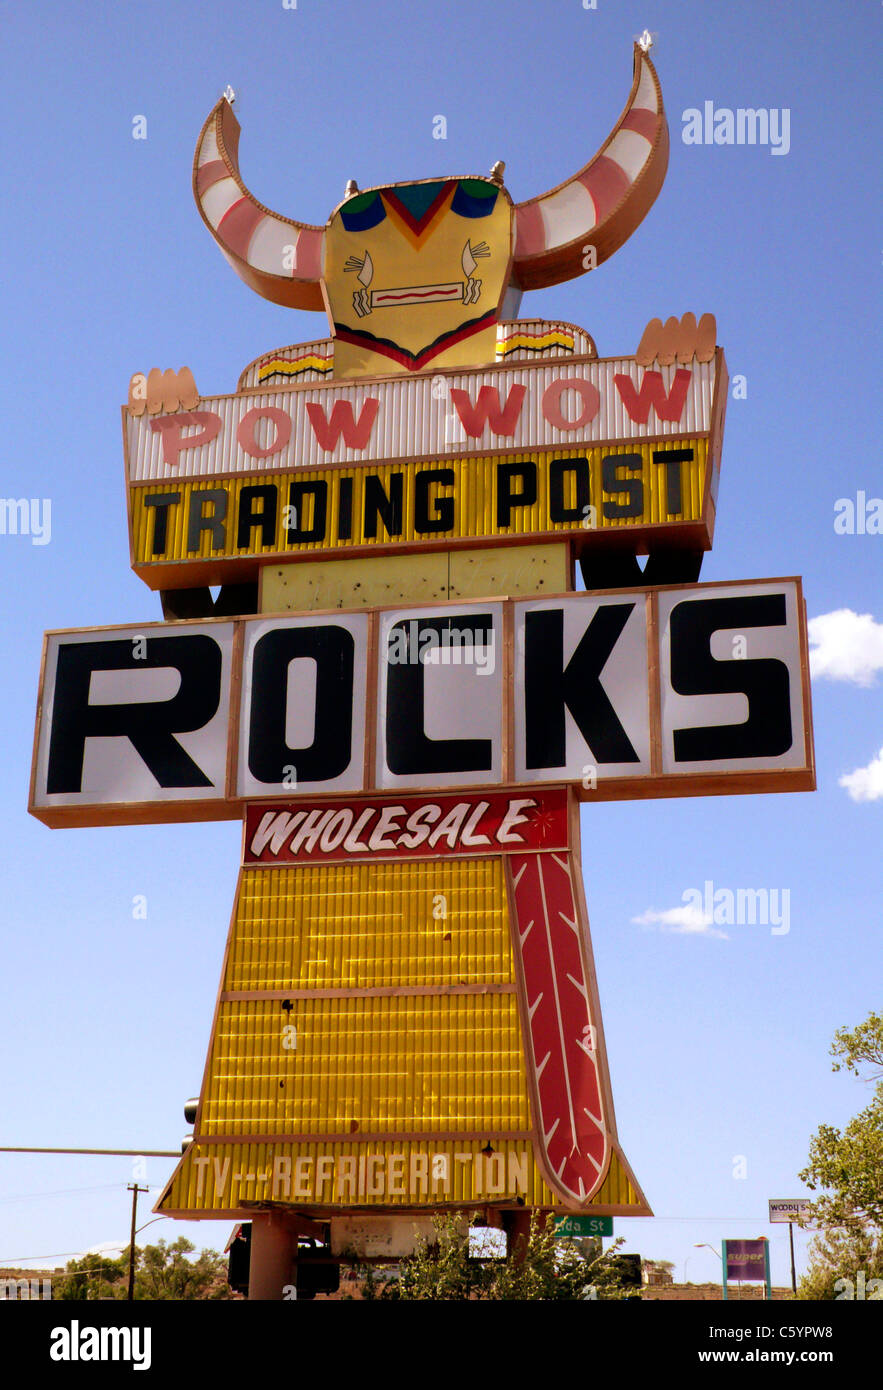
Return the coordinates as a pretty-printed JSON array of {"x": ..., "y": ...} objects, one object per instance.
[
  {"x": 602, "y": 205},
  {"x": 279, "y": 258}
]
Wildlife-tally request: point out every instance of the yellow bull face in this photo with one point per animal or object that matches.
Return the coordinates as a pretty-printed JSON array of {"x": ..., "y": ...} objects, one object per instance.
[{"x": 415, "y": 275}]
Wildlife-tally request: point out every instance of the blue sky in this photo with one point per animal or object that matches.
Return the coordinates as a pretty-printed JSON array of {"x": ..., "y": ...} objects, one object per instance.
[{"x": 717, "y": 1044}]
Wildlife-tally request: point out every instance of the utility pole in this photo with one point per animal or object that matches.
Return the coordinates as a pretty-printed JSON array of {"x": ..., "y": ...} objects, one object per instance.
[{"x": 134, "y": 1189}]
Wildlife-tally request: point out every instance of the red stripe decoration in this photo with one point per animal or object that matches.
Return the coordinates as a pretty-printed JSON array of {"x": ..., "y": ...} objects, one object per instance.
[
  {"x": 210, "y": 174},
  {"x": 530, "y": 232},
  {"x": 642, "y": 122},
  {"x": 608, "y": 184},
  {"x": 561, "y": 1042},
  {"x": 238, "y": 226}
]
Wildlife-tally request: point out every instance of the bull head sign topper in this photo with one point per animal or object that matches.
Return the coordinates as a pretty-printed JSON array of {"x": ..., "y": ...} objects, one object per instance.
[{"x": 418, "y": 273}]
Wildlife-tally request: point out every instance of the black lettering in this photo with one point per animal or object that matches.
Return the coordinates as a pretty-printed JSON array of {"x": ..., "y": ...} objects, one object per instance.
[
  {"x": 149, "y": 726},
  {"x": 443, "y": 507},
  {"x": 766, "y": 733},
  {"x": 295, "y": 531},
  {"x": 558, "y": 470},
  {"x": 197, "y": 523},
  {"x": 387, "y": 508},
  {"x": 268, "y": 495},
  {"x": 551, "y": 688},
  {"x": 671, "y": 460},
  {"x": 345, "y": 509},
  {"x": 408, "y": 750},
  {"x": 507, "y": 498},
  {"x": 333, "y": 650},
  {"x": 632, "y": 488},
  {"x": 161, "y": 501}
]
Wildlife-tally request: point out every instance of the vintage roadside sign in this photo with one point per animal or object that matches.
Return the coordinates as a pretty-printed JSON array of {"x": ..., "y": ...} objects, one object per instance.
[
  {"x": 580, "y": 1226},
  {"x": 746, "y": 1262},
  {"x": 404, "y": 694}
]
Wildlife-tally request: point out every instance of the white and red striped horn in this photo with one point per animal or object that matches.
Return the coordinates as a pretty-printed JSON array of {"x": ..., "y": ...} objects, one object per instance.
[
  {"x": 602, "y": 205},
  {"x": 276, "y": 256}
]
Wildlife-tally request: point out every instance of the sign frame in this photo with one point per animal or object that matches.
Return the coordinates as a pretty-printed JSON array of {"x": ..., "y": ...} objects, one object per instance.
[{"x": 655, "y": 784}]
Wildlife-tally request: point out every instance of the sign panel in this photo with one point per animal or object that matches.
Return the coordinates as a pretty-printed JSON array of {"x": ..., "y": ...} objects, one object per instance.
[
  {"x": 418, "y": 827},
  {"x": 788, "y": 1209},
  {"x": 692, "y": 690},
  {"x": 134, "y": 715},
  {"x": 746, "y": 1260},
  {"x": 547, "y": 405},
  {"x": 577, "y": 1227},
  {"x": 583, "y": 495}
]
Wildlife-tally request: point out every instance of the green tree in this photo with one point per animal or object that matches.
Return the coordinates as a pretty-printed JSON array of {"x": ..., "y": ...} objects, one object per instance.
[
  {"x": 91, "y": 1278},
  {"x": 846, "y": 1168},
  {"x": 837, "y": 1257},
  {"x": 163, "y": 1272},
  {"x": 166, "y": 1273}
]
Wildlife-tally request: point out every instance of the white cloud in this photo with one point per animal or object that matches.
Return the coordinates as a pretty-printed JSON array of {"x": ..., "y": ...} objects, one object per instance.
[
  {"x": 686, "y": 921},
  {"x": 866, "y": 783},
  {"x": 846, "y": 646}
]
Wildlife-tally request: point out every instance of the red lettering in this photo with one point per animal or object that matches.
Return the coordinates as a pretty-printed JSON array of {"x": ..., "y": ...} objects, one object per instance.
[
  {"x": 356, "y": 433},
  {"x": 551, "y": 405},
  {"x": 246, "y": 436},
  {"x": 474, "y": 415},
  {"x": 172, "y": 427},
  {"x": 652, "y": 392}
]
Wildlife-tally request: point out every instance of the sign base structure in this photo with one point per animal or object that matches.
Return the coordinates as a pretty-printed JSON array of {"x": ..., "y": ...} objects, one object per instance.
[{"x": 408, "y": 1023}]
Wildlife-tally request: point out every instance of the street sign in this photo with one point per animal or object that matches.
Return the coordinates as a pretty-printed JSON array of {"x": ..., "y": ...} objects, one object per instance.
[
  {"x": 785, "y": 1209},
  {"x": 579, "y": 1227}
]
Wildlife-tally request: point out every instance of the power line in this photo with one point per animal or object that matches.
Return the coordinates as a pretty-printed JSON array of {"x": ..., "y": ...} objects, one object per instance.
[
  {"x": 62, "y": 1192},
  {"x": 125, "y": 1153}
]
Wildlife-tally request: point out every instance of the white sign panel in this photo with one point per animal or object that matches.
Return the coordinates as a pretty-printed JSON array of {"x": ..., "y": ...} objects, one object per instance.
[
  {"x": 135, "y": 715},
  {"x": 546, "y": 405},
  {"x": 732, "y": 696},
  {"x": 302, "y": 718},
  {"x": 783, "y": 1209},
  {"x": 582, "y": 710},
  {"x": 440, "y": 715}
]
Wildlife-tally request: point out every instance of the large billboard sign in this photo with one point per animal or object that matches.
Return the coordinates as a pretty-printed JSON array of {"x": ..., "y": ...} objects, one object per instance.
[
  {"x": 689, "y": 690},
  {"x": 403, "y": 695}
]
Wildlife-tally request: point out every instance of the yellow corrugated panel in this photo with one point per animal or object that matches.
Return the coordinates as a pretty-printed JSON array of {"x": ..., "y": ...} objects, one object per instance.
[
  {"x": 388, "y": 1063},
  {"x": 398, "y": 1173},
  {"x": 428, "y": 922},
  {"x": 424, "y": 1061},
  {"x": 474, "y": 492}
]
